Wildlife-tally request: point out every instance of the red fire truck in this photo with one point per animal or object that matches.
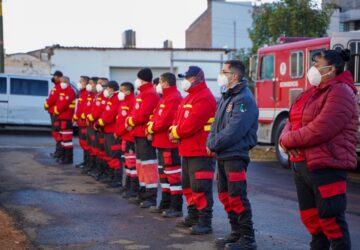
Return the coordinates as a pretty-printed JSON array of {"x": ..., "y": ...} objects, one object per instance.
[{"x": 281, "y": 76}]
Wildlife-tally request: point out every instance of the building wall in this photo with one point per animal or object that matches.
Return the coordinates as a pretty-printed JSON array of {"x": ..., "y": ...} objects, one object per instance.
[
  {"x": 345, "y": 4},
  {"x": 103, "y": 62},
  {"x": 224, "y": 14},
  {"x": 198, "y": 35},
  {"x": 24, "y": 64}
]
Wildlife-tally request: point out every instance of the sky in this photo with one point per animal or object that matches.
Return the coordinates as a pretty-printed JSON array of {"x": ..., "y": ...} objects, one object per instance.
[{"x": 34, "y": 24}]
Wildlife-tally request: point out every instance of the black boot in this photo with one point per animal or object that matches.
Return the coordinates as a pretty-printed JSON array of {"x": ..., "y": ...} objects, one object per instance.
[
  {"x": 61, "y": 155},
  {"x": 117, "y": 181},
  {"x": 57, "y": 151},
  {"x": 89, "y": 164},
  {"x": 319, "y": 241},
  {"x": 235, "y": 231},
  {"x": 175, "y": 207},
  {"x": 246, "y": 242},
  {"x": 68, "y": 156},
  {"x": 191, "y": 219},
  {"x": 133, "y": 190},
  {"x": 102, "y": 174},
  {"x": 204, "y": 224},
  {"x": 149, "y": 198},
  {"x": 140, "y": 196},
  {"x": 164, "y": 203}
]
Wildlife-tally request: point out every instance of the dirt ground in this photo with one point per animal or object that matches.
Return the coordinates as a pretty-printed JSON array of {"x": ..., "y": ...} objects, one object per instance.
[{"x": 10, "y": 237}]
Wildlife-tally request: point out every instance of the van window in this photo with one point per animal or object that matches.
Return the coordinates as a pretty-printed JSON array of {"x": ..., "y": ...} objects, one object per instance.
[
  {"x": 3, "y": 85},
  {"x": 267, "y": 68},
  {"x": 297, "y": 64},
  {"x": 33, "y": 87},
  {"x": 354, "y": 64}
]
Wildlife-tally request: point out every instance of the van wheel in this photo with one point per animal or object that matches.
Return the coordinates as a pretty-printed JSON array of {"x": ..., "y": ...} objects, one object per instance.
[{"x": 282, "y": 157}]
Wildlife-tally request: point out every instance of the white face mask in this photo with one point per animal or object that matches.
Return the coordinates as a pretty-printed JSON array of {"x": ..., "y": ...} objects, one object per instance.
[
  {"x": 185, "y": 85},
  {"x": 79, "y": 86},
  {"x": 159, "y": 89},
  {"x": 107, "y": 94},
  {"x": 99, "y": 88},
  {"x": 88, "y": 88},
  {"x": 137, "y": 83},
  {"x": 121, "y": 96},
  {"x": 314, "y": 76},
  {"x": 63, "y": 85},
  {"x": 222, "y": 80}
]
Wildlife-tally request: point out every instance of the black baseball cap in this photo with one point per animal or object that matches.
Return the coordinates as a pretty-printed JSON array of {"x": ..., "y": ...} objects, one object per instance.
[
  {"x": 58, "y": 73},
  {"x": 192, "y": 71}
]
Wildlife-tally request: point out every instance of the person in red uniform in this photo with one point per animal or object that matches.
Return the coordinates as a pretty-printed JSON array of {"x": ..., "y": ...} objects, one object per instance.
[
  {"x": 127, "y": 103},
  {"x": 146, "y": 162},
  {"x": 91, "y": 89},
  {"x": 84, "y": 80},
  {"x": 191, "y": 127},
  {"x": 97, "y": 145},
  {"x": 168, "y": 154},
  {"x": 321, "y": 136},
  {"x": 64, "y": 111},
  {"x": 107, "y": 124},
  {"x": 49, "y": 106}
]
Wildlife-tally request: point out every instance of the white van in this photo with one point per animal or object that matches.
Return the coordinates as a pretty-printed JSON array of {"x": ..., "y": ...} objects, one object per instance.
[{"x": 22, "y": 100}]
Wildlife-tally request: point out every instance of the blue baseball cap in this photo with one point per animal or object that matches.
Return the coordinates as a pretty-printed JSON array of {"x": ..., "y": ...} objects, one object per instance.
[{"x": 192, "y": 71}]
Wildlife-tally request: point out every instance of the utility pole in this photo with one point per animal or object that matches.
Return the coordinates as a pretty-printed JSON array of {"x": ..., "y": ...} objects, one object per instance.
[{"x": 1, "y": 40}]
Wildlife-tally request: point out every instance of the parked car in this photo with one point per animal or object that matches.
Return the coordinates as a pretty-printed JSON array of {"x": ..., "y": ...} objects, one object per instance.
[{"x": 22, "y": 100}]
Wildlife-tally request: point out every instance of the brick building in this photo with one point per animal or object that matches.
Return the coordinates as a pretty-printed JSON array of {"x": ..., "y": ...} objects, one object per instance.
[{"x": 222, "y": 25}]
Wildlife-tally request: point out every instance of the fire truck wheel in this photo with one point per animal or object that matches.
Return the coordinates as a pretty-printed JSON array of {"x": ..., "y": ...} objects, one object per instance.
[{"x": 280, "y": 153}]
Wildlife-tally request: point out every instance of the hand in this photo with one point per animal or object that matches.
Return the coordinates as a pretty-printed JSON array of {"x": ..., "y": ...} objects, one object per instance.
[
  {"x": 129, "y": 128},
  {"x": 294, "y": 152},
  {"x": 171, "y": 137},
  {"x": 175, "y": 141},
  {"x": 283, "y": 147},
  {"x": 149, "y": 137},
  {"x": 209, "y": 152},
  {"x": 115, "y": 136}
]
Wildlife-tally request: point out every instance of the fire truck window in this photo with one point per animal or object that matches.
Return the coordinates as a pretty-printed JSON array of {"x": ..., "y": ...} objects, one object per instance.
[
  {"x": 297, "y": 64},
  {"x": 267, "y": 68},
  {"x": 354, "y": 64}
]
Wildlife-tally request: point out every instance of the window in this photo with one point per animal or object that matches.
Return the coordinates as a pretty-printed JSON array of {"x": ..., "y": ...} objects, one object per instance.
[
  {"x": 354, "y": 64},
  {"x": 297, "y": 64},
  {"x": 267, "y": 68},
  {"x": 28, "y": 87},
  {"x": 3, "y": 85}
]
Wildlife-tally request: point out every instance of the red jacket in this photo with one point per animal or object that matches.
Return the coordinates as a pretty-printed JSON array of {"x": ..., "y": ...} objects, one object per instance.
[
  {"x": 65, "y": 105},
  {"x": 108, "y": 116},
  {"x": 193, "y": 121},
  {"x": 163, "y": 117},
  {"x": 125, "y": 108},
  {"x": 328, "y": 133},
  {"x": 145, "y": 104},
  {"x": 97, "y": 107},
  {"x": 87, "y": 106},
  {"x": 52, "y": 98},
  {"x": 80, "y": 107}
]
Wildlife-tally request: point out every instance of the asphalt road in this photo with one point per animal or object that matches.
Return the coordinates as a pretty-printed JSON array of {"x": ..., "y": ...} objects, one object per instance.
[{"x": 60, "y": 209}]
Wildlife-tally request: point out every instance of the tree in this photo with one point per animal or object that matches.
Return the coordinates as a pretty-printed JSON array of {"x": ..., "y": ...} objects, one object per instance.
[{"x": 295, "y": 18}]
